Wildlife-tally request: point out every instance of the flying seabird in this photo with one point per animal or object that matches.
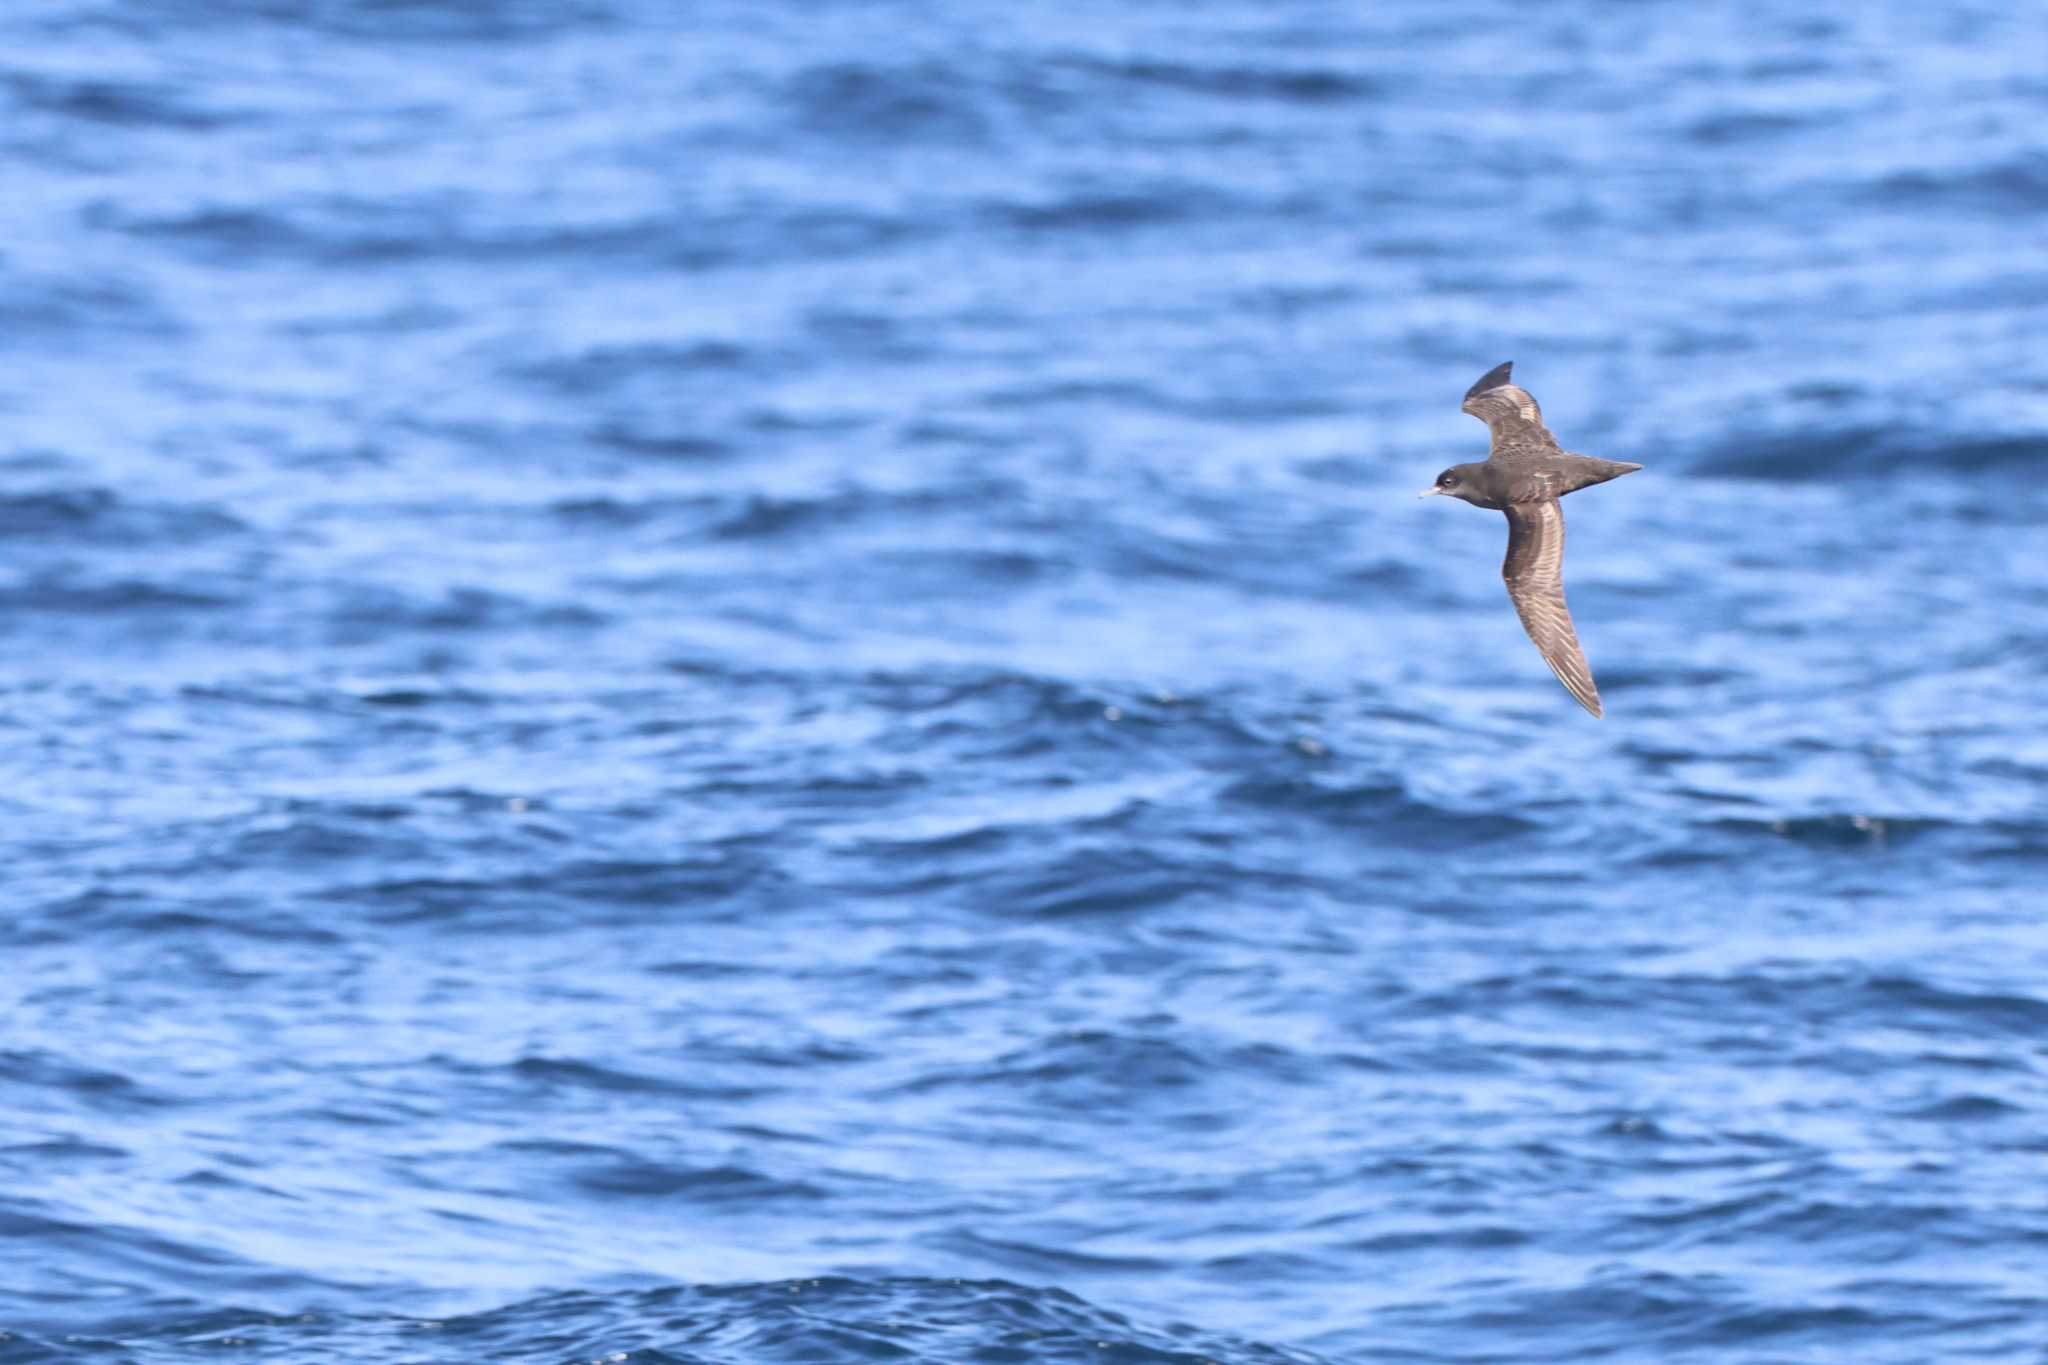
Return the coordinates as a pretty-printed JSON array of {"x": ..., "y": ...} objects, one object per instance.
[{"x": 1524, "y": 475}]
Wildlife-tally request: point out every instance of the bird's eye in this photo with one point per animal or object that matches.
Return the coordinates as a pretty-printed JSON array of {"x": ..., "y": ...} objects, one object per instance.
[{"x": 1447, "y": 481}]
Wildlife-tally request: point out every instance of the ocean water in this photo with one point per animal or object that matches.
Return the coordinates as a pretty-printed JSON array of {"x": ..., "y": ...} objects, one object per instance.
[{"x": 746, "y": 681}]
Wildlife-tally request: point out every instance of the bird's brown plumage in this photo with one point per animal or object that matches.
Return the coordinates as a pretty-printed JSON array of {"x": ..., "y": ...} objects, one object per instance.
[{"x": 1524, "y": 474}]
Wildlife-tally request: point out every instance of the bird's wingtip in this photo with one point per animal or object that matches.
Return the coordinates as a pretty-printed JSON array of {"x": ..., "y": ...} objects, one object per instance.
[{"x": 1494, "y": 378}]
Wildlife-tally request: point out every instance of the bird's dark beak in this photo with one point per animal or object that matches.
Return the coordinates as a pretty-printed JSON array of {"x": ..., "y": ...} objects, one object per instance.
[{"x": 1429, "y": 492}]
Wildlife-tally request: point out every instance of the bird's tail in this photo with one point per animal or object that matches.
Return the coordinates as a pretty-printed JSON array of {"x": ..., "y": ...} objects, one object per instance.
[{"x": 1587, "y": 470}]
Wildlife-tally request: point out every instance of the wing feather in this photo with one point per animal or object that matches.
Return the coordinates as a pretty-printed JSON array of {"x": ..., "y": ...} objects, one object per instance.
[
  {"x": 1534, "y": 570},
  {"x": 1509, "y": 411}
]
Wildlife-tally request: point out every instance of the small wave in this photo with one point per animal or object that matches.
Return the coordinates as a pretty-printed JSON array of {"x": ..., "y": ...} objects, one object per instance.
[
  {"x": 454, "y": 25},
  {"x": 863, "y": 103},
  {"x": 1835, "y": 831},
  {"x": 721, "y": 877},
  {"x": 101, "y": 516},
  {"x": 611, "y": 1173},
  {"x": 63, "y": 1150},
  {"x": 51, "y": 1081},
  {"x": 345, "y": 231},
  {"x": 1383, "y": 808},
  {"x": 539, "y": 1076},
  {"x": 70, "y": 306},
  {"x": 374, "y": 612},
  {"x": 768, "y": 517},
  {"x": 827, "y": 1321},
  {"x": 1907, "y": 1000},
  {"x": 631, "y": 1177},
  {"x": 605, "y": 369},
  {"x": 1744, "y": 127},
  {"x": 1312, "y": 85},
  {"x": 1965, "y": 1109},
  {"x": 304, "y": 841},
  {"x": 1041, "y": 1259},
  {"x": 1108, "y": 881},
  {"x": 1116, "y": 208},
  {"x": 964, "y": 572},
  {"x": 1483, "y": 1238},
  {"x": 715, "y": 883},
  {"x": 2016, "y": 185},
  {"x": 115, "y": 102},
  {"x": 1629, "y": 1311},
  {"x": 1116, "y": 1063},
  {"x": 640, "y": 437},
  {"x": 61, "y": 596}
]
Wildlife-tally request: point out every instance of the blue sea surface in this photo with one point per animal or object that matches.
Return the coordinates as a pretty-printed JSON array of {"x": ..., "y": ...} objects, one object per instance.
[{"x": 761, "y": 682}]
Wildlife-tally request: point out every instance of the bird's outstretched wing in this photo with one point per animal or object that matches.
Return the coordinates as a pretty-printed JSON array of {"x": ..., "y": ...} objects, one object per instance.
[
  {"x": 1534, "y": 570},
  {"x": 1508, "y": 411}
]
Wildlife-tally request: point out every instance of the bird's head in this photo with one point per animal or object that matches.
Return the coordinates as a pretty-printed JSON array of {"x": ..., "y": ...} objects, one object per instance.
[{"x": 1459, "y": 481}]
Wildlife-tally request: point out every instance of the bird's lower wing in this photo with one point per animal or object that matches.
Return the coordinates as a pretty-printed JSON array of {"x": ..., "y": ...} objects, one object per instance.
[{"x": 1534, "y": 571}]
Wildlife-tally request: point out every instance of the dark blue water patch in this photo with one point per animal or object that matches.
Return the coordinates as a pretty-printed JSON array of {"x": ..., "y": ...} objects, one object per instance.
[
  {"x": 133, "y": 1250},
  {"x": 1727, "y": 1002},
  {"x": 1878, "y": 1231},
  {"x": 371, "y": 611},
  {"x": 118, "y": 104},
  {"x": 558, "y": 1083},
  {"x": 60, "y": 594},
  {"x": 27, "y": 1156},
  {"x": 763, "y": 518},
  {"x": 716, "y": 879},
  {"x": 2015, "y": 185},
  {"x": 1629, "y": 1311},
  {"x": 703, "y": 886},
  {"x": 66, "y": 311},
  {"x": 615, "y": 1175},
  {"x": 306, "y": 839},
  {"x": 1966, "y": 1109},
  {"x": 1746, "y": 127},
  {"x": 406, "y": 698},
  {"x": 658, "y": 440},
  {"x": 970, "y": 573},
  {"x": 1838, "y": 831},
  {"x": 1424, "y": 1242},
  {"x": 344, "y": 231},
  {"x": 1123, "y": 208},
  {"x": 984, "y": 714},
  {"x": 102, "y": 1091},
  {"x": 100, "y": 515},
  {"x": 1867, "y": 452},
  {"x": 443, "y": 27},
  {"x": 1089, "y": 1066},
  {"x": 1910, "y": 1000},
  {"x": 341, "y": 231},
  {"x": 1384, "y": 809},
  {"x": 1295, "y": 84},
  {"x": 1047, "y": 1259},
  {"x": 548, "y": 1071},
  {"x": 872, "y": 106},
  {"x": 1093, "y": 882},
  {"x": 609, "y": 369}
]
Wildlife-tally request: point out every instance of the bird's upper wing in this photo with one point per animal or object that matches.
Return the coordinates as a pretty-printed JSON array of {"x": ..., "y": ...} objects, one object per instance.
[
  {"x": 1534, "y": 570},
  {"x": 1508, "y": 410}
]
